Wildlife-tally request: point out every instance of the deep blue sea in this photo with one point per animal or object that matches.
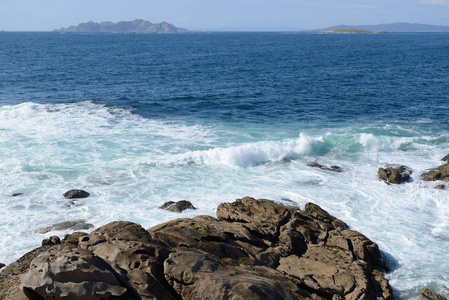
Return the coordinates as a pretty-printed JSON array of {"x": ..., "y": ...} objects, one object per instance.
[{"x": 140, "y": 119}]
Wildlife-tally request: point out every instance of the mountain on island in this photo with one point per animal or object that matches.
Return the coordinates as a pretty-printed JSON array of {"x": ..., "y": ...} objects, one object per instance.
[
  {"x": 137, "y": 25},
  {"x": 393, "y": 27},
  {"x": 351, "y": 30}
]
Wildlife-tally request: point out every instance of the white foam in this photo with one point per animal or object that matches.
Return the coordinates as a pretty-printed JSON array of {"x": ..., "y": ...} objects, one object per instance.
[
  {"x": 131, "y": 165},
  {"x": 247, "y": 155}
]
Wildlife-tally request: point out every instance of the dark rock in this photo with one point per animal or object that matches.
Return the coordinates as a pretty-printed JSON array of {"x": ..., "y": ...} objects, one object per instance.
[
  {"x": 324, "y": 167},
  {"x": 394, "y": 174},
  {"x": 440, "y": 173},
  {"x": 75, "y": 194},
  {"x": 446, "y": 158},
  {"x": 179, "y": 206},
  {"x": 440, "y": 187},
  {"x": 429, "y": 295},
  {"x": 72, "y": 225},
  {"x": 2, "y": 265},
  {"x": 51, "y": 241},
  {"x": 255, "y": 249},
  {"x": 16, "y": 194}
]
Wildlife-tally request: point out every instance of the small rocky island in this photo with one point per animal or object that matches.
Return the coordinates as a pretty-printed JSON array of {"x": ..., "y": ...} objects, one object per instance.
[
  {"x": 350, "y": 31},
  {"x": 254, "y": 249},
  {"x": 136, "y": 26}
]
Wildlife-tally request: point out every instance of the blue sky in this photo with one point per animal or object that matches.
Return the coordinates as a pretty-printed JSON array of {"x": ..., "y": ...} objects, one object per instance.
[{"x": 43, "y": 15}]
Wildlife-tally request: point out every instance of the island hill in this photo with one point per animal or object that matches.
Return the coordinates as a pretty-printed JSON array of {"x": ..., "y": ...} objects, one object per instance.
[
  {"x": 350, "y": 31},
  {"x": 136, "y": 26}
]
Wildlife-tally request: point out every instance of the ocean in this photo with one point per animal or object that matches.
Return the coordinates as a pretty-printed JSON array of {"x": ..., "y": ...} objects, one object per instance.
[{"x": 140, "y": 119}]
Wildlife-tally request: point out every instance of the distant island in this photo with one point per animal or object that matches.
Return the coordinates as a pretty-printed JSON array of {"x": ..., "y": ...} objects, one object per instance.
[
  {"x": 136, "y": 26},
  {"x": 350, "y": 31},
  {"x": 392, "y": 27}
]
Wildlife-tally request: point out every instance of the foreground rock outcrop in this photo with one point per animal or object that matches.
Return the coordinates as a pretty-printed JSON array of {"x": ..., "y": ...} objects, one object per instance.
[{"x": 254, "y": 249}]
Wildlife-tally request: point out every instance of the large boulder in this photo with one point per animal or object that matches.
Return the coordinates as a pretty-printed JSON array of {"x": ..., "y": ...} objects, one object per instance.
[
  {"x": 10, "y": 277},
  {"x": 255, "y": 249},
  {"x": 71, "y": 273},
  {"x": 439, "y": 173},
  {"x": 395, "y": 174}
]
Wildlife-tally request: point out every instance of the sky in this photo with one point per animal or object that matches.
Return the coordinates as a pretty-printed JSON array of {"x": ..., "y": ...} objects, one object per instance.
[{"x": 47, "y": 15}]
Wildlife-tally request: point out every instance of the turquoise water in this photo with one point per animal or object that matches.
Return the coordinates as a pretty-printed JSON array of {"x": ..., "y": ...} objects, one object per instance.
[{"x": 138, "y": 120}]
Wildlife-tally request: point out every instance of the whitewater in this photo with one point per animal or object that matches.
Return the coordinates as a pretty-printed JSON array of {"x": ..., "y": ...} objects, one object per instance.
[
  {"x": 131, "y": 165},
  {"x": 138, "y": 120}
]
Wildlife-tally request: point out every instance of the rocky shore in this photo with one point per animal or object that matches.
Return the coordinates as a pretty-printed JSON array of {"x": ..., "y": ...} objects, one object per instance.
[{"x": 254, "y": 249}]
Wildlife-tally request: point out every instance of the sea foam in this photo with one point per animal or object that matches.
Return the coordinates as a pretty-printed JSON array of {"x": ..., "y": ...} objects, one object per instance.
[{"x": 131, "y": 165}]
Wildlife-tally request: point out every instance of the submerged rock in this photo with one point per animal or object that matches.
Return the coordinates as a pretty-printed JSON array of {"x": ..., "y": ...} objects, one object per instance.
[
  {"x": 16, "y": 194},
  {"x": 255, "y": 249},
  {"x": 72, "y": 225},
  {"x": 179, "y": 206},
  {"x": 324, "y": 167},
  {"x": 440, "y": 187},
  {"x": 394, "y": 174},
  {"x": 440, "y": 173},
  {"x": 429, "y": 295},
  {"x": 75, "y": 194}
]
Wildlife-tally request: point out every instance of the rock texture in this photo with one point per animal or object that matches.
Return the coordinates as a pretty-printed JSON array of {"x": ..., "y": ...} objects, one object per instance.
[
  {"x": 254, "y": 249},
  {"x": 179, "y": 206},
  {"x": 440, "y": 173},
  {"x": 10, "y": 283},
  {"x": 395, "y": 175}
]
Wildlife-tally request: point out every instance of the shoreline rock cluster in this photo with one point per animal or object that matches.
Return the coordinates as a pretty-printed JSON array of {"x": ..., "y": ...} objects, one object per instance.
[
  {"x": 254, "y": 249},
  {"x": 398, "y": 174}
]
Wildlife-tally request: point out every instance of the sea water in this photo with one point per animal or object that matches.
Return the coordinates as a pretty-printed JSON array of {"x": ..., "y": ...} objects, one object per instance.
[{"x": 137, "y": 120}]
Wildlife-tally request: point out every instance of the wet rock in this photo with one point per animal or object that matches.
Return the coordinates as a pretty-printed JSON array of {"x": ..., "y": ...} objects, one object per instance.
[
  {"x": 75, "y": 194},
  {"x": 324, "y": 167},
  {"x": 429, "y": 295},
  {"x": 68, "y": 225},
  {"x": 179, "y": 206},
  {"x": 446, "y": 158},
  {"x": 440, "y": 187},
  {"x": 53, "y": 240},
  {"x": 440, "y": 173},
  {"x": 16, "y": 194},
  {"x": 2, "y": 265},
  {"x": 394, "y": 174}
]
